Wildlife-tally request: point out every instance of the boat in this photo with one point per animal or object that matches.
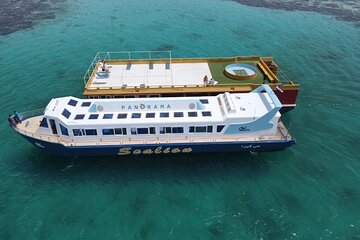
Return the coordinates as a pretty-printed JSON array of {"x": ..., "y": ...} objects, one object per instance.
[
  {"x": 139, "y": 74},
  {"x": 168, "y": 125}
]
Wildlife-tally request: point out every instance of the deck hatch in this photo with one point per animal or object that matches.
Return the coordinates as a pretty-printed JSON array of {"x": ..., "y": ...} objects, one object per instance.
[
  {"x": 72, "y": 102},
  {"x": 66, "y": 113}
]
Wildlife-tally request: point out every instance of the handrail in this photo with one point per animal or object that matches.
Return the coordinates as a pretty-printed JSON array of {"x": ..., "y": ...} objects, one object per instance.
[
  {"x": 283, "y": 78},
  {"x": 32, "y": 113},
  {"x": 109, "y": 56}
]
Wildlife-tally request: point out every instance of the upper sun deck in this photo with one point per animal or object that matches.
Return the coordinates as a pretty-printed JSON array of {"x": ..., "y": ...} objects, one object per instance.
[
  {"x": 74, "y": 111},
  {"x": 158, "y": 73}
]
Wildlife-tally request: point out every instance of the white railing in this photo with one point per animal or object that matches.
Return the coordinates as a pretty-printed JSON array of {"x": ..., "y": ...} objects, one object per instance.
[
  {"x": 126, "y": 55},
  {"x": 69, "y": 141},
  {"x": 284, "y": 132},
  {"x": 32, "y": 113}
]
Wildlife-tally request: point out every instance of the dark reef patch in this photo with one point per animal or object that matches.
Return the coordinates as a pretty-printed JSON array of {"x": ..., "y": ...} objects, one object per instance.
[
  {"x": 21, "y": 14},
  {"x": 346, "y": 10},
  {"x": 291, "y": 202},
  {"x": 165, "y": 47},
  {"x": 194, "y": 36},
  {"x": 60, "y": 74},
  {"x": 269, "y": 227},
  {"x": 348, "y": 195}
]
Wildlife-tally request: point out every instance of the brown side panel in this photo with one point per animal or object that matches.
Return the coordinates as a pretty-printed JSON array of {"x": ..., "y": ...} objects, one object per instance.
[{"x": 288, "y": 96}]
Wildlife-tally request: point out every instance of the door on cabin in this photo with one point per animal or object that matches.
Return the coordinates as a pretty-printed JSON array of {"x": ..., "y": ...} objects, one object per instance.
[{"x": 53, "y": 126}]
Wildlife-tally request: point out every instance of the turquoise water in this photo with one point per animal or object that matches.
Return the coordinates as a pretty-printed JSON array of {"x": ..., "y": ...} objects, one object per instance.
[{"x": 310, "y": 191}]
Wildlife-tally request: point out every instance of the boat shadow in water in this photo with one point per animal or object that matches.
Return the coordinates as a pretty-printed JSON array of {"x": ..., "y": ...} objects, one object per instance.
[{"x": 144, "y": 168}]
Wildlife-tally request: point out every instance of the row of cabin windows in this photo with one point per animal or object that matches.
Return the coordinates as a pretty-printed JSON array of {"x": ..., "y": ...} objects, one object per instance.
[
  {"x": 134, "y": 131},
  {"x": 136, "y": 115},
  {"x": 150, "y": 130}
]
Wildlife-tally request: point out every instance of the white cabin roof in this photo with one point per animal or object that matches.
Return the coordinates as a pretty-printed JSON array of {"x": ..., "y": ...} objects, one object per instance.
[{"x": 242, "y": 106}]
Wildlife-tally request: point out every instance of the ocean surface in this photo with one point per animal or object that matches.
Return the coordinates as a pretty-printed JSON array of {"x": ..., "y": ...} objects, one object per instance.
[{"x": 309, "y": 191}]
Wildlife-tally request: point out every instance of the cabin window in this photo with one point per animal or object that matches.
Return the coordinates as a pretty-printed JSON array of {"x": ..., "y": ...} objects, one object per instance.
[
  {"x": 133, "y": 131},
  {"x": 200, "y": 129},
  {"x": 66, "y": 113},
  {"x": 178, "y": 114},
  {"x": 177, "y": 130},
  {"x": 191, "y": 129},
  {"x": 120, "y": 131},
  {"x": 108, "y": 131},
  {"x": 64, "y": 130},
  {"x": 192, "y": 114},
  {"x": 136, "y": 115},
  {"x": 44, "y": 123},
  {"x": 164, "y": 130},
  {"x": 122, "y": 115},
  {"x": 77, "y": 132},
  {"x": 86, "y": 104},
  {"x": 80, "y": 116},
  {"x": 206, "y": 114},
  {"x": 90, "y": 132},
  {"x": 108, "y": 116},
  {"x": 219, "y": 128},
  {"x": 204, "y": 101},
  {"x": 72, "y": 102},
  {"x": 164, "y": 114},
  {"x": 93, "y": 116},
  {"x": 142, "y": 131},
  {"x": 150, "y": 115}
]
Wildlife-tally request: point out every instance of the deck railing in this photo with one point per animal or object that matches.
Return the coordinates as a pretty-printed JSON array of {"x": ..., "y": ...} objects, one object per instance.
[
  {"x": 31, "y": 113},
  {"x": 69, "y": 141},
  {"x": 284, "y": 131},
  {"x": 282, "y": 77},
  {"x": 125, "y": 55}
]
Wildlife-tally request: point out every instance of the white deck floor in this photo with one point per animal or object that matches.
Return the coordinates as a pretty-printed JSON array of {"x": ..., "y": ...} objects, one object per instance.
[{"x": 139, "y": 74}]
